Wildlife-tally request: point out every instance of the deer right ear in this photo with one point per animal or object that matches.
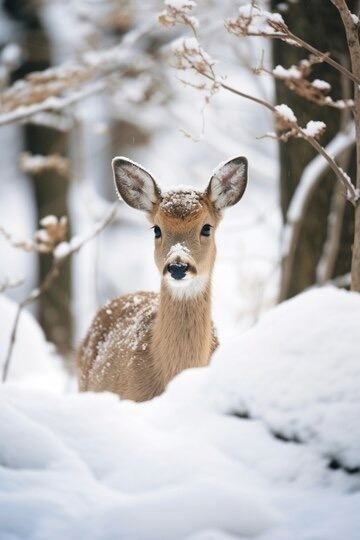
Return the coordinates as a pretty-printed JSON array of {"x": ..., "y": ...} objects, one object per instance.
[
  {"x": 134, "y": 184},
  {"x": 228, "y": 183}
]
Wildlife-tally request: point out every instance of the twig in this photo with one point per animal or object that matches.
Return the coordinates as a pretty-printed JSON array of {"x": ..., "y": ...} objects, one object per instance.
[
  {"x": 237, "y": 27},
  {"x": 58, "y": 261}
]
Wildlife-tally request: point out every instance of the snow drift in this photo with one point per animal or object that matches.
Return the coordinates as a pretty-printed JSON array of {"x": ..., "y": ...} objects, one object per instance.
[{"x": 264, "y": 442}]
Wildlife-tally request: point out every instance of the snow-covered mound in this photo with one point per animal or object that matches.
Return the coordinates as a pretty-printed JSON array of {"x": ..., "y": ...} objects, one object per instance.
[
  {"x": 32, "y": 362},
  {"x": 265, "y": 442}
]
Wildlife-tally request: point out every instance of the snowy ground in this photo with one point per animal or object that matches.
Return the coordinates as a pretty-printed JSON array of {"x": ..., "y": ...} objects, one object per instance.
[{"x": 265, "y": 442}]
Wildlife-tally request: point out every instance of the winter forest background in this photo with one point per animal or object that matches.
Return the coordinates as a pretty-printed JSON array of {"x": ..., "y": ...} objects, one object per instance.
[{"x": 266, "y": 441}]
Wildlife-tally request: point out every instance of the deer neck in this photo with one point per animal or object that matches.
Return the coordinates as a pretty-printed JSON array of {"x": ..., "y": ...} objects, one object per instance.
[{"x": 182, "y": 334}]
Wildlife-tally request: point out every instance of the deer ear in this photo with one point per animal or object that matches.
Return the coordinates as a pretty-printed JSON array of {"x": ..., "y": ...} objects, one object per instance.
[
  {"x": 228, "y": 183},
  {"x": 134, "y": 184}
]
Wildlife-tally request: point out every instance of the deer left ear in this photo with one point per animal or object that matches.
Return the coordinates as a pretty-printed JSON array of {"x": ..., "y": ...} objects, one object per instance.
[
  {"x": 228, "y": 183},
  {"x": 134, "y": 184}
]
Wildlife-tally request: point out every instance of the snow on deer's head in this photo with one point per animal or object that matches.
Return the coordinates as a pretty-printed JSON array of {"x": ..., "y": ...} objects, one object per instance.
[{"x": 184, "y": 219}]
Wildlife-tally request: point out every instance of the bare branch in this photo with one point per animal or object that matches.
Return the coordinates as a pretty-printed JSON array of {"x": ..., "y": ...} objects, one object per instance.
[
  {"x": 63, "y": 251},
  {"x": 259, "y": 23}
]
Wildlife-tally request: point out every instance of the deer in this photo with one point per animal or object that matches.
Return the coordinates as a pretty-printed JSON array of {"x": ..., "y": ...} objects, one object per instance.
[{"x": 137, "y": 343}]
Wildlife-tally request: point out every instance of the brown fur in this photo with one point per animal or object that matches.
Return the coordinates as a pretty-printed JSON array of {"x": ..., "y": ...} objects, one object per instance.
[{"x": 137, "y": 360}]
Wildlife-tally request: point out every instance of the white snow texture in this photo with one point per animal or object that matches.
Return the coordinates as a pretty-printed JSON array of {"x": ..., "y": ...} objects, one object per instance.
[{"x": 263, "y": 443}]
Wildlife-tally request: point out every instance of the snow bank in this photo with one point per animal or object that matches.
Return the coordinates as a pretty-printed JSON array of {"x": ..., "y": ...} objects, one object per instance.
[
  {"x": 259, "y": 444},
  {"x": 32, "y": 361}
]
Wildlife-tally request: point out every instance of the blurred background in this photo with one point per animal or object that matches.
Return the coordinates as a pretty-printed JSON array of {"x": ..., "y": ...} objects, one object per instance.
[{"x": 57, "y": 161}]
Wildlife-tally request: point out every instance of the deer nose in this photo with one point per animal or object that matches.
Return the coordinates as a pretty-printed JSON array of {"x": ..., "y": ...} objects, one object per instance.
[{"x": 178, "y": 270}]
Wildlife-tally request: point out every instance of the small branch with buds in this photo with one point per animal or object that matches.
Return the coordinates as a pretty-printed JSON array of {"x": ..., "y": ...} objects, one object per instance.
[
  {"x": 61, "y": 252},
  {"x": 296, "y": 78},
  {"x": 252, "y": 21}
]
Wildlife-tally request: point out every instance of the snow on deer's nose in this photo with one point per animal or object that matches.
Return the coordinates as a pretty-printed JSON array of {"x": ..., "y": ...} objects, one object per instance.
[{"x": 178, "y": 261}]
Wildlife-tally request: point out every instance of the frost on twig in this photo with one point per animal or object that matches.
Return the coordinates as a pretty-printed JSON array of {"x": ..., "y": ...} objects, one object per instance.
[{"x": 36, "y": 164}]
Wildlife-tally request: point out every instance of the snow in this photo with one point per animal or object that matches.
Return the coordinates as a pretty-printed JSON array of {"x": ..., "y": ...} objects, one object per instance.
[
  {"x": 258, "y": 19},
  {"x": 286, "y": 113},
  {"x": 291, "y": 73},
  {"x": 43, "y": 367},
  {"x": 11, "y": 55},
  {"x": 49, "y": 220},
  {"x": 178, "y": 250},
  {"x": 181, "y": 202},
  {"x": 62, "y": 250},
  {"x": 355, "y": 18},
  {"x": 314, "y": 128},
  {"x": 180, "y": 4},
  {"x": 321, "y": 85},
  {"x": 257, "y": 444}
]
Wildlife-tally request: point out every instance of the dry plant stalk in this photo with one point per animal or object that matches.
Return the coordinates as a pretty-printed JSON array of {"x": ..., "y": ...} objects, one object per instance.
[
  {"x": 61, "y": 252},
  {"x": 52, "y": 232}
]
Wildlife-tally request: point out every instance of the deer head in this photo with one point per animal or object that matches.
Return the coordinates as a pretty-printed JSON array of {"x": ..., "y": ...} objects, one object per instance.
[{"x": 184, "y": 219}]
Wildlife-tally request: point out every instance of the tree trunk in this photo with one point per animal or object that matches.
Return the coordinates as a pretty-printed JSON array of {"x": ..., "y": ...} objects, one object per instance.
[
  {"x": 318, "y": 23},
  {"x": 50, "y": 189}
]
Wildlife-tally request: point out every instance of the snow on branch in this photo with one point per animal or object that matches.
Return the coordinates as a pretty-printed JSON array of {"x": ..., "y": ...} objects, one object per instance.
[
  {"x": 178, "y": 12},
  {"x": 296, "y": 78},
  {"x": 52, "y": 232},
  {"x": 61, "y": 251},
  {"x": 254, "y": 21}
]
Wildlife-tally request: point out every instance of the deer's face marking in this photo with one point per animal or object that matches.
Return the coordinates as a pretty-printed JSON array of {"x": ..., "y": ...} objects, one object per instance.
[
  {"x": 185, "y": 248},
  {"x": 184, "y": 219}
]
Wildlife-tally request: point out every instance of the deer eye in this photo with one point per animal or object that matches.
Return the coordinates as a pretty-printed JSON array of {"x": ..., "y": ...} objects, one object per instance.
[
  {"x": 205, "y": 231},
  {"x": 157, "y": 231}
]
